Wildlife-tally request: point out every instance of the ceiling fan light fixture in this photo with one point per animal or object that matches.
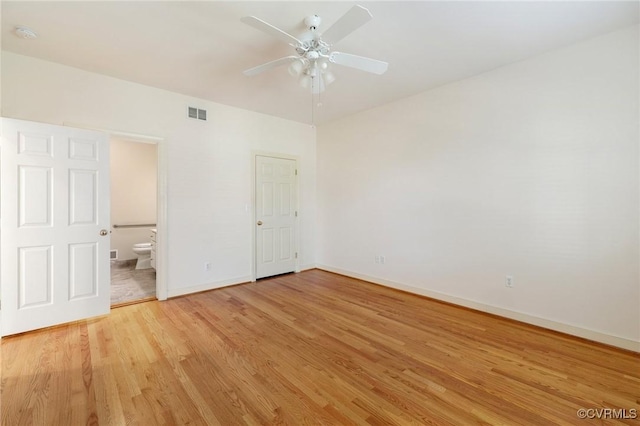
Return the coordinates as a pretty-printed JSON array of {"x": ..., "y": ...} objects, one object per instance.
[
  {"x": 313, "y": 52},
  {"x": 317, "y": 86},
  {"x": 296, "y": 68},
  {"x": 328, "y": 78},
  {"x": 312, "y": 55},
  {"x": 312, "y": 69},
  {"x": 305, "y": 81}
]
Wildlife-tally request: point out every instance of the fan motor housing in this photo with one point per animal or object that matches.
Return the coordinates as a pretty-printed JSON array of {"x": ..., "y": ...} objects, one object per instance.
[{"x": 312, "y": 22}]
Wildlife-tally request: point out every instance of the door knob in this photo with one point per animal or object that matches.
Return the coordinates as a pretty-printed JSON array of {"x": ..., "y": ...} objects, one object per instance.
[
  {"x": 103, "y": 232},
  {"x": 259, "y": 222}
]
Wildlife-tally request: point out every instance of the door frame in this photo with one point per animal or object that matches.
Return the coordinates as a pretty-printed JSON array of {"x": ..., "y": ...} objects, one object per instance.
[
  {"x": 296, "y": 242},
  {"x": 162, "y": 289}
]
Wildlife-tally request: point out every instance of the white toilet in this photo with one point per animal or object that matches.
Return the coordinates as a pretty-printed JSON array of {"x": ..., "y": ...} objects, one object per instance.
[{"x": 143, "y": 250}]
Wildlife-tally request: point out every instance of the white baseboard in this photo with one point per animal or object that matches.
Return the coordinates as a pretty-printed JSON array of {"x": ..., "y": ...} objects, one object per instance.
[
  {"x": 308, "y": 267},
  {"x": 219, "y": 284},
  {"x": 596, "y": 336},
  {"x": 210, "y": 286}
]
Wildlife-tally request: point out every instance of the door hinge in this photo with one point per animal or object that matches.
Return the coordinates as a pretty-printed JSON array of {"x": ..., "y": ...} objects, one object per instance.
[
  {"x": 296, "y": 255},
  {"x": 296, "y": 172},
  {"x": 296, "y": 213}
]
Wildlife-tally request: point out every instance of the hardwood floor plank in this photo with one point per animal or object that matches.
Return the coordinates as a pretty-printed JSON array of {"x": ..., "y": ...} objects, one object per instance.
[{"x": 310, "y": 348}]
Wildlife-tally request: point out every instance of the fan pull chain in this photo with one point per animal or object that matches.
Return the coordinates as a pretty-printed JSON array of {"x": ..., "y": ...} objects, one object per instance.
[{"x": 313, "y": 120}]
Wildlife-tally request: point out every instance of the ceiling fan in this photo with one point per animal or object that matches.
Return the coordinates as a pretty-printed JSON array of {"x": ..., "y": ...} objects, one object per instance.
[{"x": 313, "y": 49}]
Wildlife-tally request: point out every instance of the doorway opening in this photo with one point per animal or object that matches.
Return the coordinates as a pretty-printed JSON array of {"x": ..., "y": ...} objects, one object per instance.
[{"x": 134, "y": 207}]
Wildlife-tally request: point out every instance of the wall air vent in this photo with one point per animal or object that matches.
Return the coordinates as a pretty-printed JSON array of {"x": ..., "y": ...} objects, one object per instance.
[{"x": 199, "y": 114}]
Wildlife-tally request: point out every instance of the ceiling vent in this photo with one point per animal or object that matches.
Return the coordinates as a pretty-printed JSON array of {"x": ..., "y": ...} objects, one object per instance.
[{"x": 199, "y": 114}]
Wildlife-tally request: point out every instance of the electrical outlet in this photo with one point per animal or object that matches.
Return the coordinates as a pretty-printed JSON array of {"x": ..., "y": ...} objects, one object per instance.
[
  {"x": 207, "y": 266},
  {"x": 382, "y": 259},
  {"x": 377, "y": 259},
  {"x": 508, "y": 282}
]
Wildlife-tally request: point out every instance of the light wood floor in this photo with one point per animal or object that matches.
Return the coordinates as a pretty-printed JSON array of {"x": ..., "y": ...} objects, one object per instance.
[{"x": 310, "y": 348}]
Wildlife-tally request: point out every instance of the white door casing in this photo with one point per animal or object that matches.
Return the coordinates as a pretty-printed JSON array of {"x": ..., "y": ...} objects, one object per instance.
[
  {"x": 54, "y": 208},
  {"x": 276, "y": 212}
]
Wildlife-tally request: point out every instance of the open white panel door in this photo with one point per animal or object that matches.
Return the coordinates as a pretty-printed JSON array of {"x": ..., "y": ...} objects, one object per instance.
[
  {"x": 276, "y": 216},
  {"x": 54, "y": 222}
]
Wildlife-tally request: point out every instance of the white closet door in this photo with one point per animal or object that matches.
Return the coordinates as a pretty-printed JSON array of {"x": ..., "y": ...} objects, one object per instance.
[{"x": 275, "y": 216}]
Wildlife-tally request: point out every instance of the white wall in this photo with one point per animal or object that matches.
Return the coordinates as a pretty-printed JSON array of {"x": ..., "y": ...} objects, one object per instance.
[
  {"x": 529, "y": 170},
  {"x": 134, "y": 183},
  {"x": 209, "y": 163}
]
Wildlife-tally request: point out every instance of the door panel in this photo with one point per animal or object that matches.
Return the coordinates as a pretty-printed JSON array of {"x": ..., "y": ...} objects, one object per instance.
[
  {"x": 83, "y": 259},
  {"x": 83, "y": 149},
  {"x": 55, "y": 201},
  {"x": 83, "y": 197},
  {"x": 275, "y": 215},
  {"x": 268, "y": 243},
  {"x": 35, "y": 144},
  {"x": 35, "y": 186},
  {"x": 267, "y": 199},
  {"x": 35, "y": 280},
  {"x": 285, "y": 199}
]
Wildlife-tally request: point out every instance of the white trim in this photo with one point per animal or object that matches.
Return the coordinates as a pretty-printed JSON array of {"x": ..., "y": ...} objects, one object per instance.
[
  {"x": 162, "y": 245},
  {"x": 221, "y": 284},
  {"x": 205, "y": 287},
  {"x": 596, "y": 336},
  {"x": 134, "y": 137},
  {"x": 254, "y": 154}
]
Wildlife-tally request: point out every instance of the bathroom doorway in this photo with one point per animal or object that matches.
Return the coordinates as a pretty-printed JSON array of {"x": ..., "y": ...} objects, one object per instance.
[{"x": 134, "y": 207}]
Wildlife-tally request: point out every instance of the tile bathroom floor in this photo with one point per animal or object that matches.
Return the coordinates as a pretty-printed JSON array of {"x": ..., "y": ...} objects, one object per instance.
[{"x": 131, "y": 285}]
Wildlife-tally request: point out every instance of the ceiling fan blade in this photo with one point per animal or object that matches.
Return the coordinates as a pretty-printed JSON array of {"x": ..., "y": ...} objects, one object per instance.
[
  {"x": 360, "y": 62},
  {"x": 259, "y": 24},
  {"x": 349, "y": 22},
  {"x": 264, "y": 67}
]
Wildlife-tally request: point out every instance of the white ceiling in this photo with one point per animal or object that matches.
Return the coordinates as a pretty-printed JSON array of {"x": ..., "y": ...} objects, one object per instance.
[{"x": 201, "y": 48}]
